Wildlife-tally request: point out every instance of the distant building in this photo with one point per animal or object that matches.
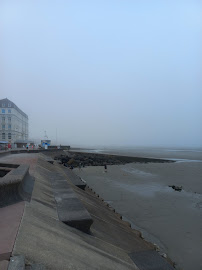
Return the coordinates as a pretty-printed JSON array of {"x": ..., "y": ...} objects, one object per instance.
[
  {"x": 13, "y": 123},
  {"x": 45, "y": 143}
]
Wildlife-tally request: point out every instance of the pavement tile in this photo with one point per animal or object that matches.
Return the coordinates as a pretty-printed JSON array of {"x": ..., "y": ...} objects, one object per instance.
[
  {"x": 10, "y": 218},
  {"x": 4, "y": 265}
]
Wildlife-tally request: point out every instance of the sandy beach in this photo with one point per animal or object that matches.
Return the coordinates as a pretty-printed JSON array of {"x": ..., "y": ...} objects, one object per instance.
[{"x": 141, "y": 193}]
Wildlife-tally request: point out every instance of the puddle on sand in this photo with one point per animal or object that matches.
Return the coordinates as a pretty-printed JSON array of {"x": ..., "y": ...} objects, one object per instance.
[
  {"x": 137, "y": 172},
  {"x": 150, "y": 190},
  {"x": 147, "y": 190}
]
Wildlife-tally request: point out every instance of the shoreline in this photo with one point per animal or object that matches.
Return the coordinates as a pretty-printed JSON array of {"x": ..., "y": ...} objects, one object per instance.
[
  {"x": 159, "y": 246},
  {"x": 150, "y": 239},
  {"x": 171, "y": 211},
  {"x": 163, "y": 153}
]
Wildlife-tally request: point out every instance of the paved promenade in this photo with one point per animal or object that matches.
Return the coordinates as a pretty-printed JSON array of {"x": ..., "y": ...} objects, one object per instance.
[{"x": 11, "y": 215}]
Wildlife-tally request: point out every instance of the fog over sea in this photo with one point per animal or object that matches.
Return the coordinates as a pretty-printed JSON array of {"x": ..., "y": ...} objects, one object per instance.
[{"x": 140, "y": 192}]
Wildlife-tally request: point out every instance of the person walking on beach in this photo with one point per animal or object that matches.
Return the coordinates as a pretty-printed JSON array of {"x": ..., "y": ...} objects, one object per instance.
[{"x": 105, "y": 167}]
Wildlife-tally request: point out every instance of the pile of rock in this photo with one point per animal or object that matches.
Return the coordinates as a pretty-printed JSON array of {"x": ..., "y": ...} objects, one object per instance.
[
  {"x": 83, "y": 160},
  {"x": 79, "y": 159}
]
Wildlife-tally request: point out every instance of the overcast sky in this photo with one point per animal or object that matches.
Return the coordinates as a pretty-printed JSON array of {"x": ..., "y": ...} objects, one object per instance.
[{"x": 105, "y": 72}]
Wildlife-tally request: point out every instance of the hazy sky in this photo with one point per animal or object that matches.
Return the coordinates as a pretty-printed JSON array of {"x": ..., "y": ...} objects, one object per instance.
[{"x": 124, "y": 72}]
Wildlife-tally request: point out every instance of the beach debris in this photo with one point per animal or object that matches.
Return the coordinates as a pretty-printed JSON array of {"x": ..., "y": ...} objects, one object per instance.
[
  {"x": 199, "y": 205},
  {"x": 157, "y": 248},
  {"x": 164, "y": 255},
  {"x": 176, "y": 188}
]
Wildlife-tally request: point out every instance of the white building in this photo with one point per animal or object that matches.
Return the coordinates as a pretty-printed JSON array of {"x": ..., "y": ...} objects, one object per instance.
[{"x": 13, "y": 122}]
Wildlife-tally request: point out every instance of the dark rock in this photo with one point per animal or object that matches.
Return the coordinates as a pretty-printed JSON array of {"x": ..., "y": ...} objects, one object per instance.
[
  {"x": 177, "y": 188},
  {"x": 91, "y": 159}
]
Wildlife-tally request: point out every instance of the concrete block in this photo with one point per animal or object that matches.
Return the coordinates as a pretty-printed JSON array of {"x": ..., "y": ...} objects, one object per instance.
[
  {"x": 76, "y": 180},
  {"x": 150, "y": 260},
  {"x": 16, "y": 186},
  {"x": 73, "y": 213},
  {"x": 37, "y": 267},
  {"x": 70, "y": 209},
  {"x": 17, "y": 263},
  {"x": 49, "y": 159}
]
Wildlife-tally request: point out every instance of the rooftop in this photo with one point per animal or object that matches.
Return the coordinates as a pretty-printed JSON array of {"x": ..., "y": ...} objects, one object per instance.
[{"x": 6, "y": 103}]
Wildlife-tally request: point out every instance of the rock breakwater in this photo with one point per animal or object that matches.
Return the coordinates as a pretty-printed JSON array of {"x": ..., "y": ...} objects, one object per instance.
[{"x": 77, "y": 159}]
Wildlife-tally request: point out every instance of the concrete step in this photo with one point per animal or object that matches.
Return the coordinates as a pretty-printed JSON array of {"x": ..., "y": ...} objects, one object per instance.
[
  {"x": 70, "y": 209},
  {"x": 150, "y": 260},
  {"x": 18, "y": 263},
  {"x": 76, "y": 180}
]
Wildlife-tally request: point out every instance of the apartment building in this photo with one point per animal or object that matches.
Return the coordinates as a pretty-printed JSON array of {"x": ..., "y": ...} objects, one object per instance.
[{"x": 13, "y": 122}]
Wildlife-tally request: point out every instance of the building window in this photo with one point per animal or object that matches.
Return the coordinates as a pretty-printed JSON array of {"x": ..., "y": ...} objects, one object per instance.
[
  {"x": 9, "y": 126},
  {"x": 3, "y": 126},
  {"x": 3, "y": 119},
  {"x": 3, "y": 136},
  {"x": 3, "y": 105},
  {"x": 9, "y": 104},
  {"x": 9, "y": 136},
  {"x": 3, "y": 110},
  {"x": 9, "y": 119},
  {"x": 9, "y": 110}
]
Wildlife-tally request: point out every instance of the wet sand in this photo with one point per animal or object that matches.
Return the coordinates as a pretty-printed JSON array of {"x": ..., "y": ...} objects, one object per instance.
[{"x": 141, "y": 193}]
